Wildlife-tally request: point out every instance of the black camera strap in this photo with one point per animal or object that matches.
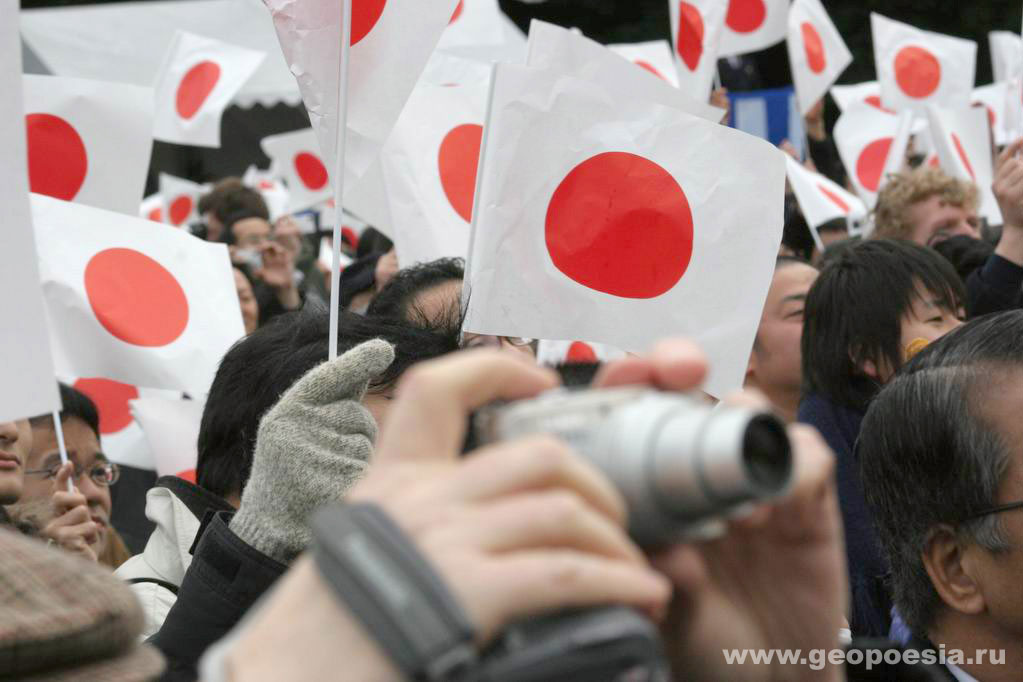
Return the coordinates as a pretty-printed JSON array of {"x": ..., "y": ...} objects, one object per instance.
[{"x": 384, "y": 580}]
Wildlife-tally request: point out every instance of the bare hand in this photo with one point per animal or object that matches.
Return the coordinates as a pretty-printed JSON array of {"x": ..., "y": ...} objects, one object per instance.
[
  {"x": 72, "y": 527},
  {"x": 386, "y": 268}
]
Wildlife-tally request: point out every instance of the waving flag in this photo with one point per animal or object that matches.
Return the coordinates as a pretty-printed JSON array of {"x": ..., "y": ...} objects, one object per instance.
[
  {"x": 864, "y": 137},
  {"x": 296, "y": 158},
  {"x": 817, "y": 53},
  {"x": 752, "y": 25},
  {"x": 181, "y": 199},
  {"x": 696, "y": 29},
  {"x": 654, "y": 56},
  {"x": 820, "y": 199},
  {"x": 618, "y": 220},
  {"x": 962, "y": 139},
  {"x": 1006, "y": 55}
]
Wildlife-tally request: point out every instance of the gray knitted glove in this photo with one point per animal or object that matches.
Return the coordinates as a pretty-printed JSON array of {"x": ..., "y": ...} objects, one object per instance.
[{"x": 312, "y": 446}]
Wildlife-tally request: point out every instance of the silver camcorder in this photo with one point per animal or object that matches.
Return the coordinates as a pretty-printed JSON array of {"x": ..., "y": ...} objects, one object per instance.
[{"x": 676, "y": 460}]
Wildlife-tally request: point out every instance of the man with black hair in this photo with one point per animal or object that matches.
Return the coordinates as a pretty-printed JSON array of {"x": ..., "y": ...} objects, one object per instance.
[
  {"x": 269, "y": 265},
  {"x": 228, "y": 200},
  {"x": 77, "y": 521},
  {"x": 872, "y": 307},
  {"x": 251, "y": 379},
  {"x": 774, "y": 366},
  {"x": 941, "y": 457}
]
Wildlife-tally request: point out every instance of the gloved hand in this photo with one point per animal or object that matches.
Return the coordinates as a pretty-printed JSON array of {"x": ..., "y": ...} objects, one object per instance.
[{"x": 312, "y": 446}]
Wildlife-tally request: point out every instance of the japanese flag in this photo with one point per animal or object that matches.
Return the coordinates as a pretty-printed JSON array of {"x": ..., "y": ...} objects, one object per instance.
[
  {"x": 170, "y": 426},
  {"x": 551, "y": 46},
  {"x": 272, "y": 189},
  {"x": 181, "y": 197},
  {"x": 123, "y": 438},
  {"x": 917, "y": 68},
  {"x": 199, "y": 78},
  {"x": 1006, "y": 55},
  {"x": 391, "y": 41},
  {"x": 654, "y": 56},
  {"x": 962, "y": 139},
  {"x": 864, "y": 136},
  {"x": 152, "y": 208},
  {"x": 868, "y": 93},
  {"x": 620, "y": 221},
  {"x": 555, "y": 353},
  {"x": 134, "y": 301},
  {"x": 696, "y": 30},
  {"x": 995, "y": 100},
  {"x": 296, "y": 158},
  {"x": 30, "y": 387},
  {"x": 752, "y": 25},
  {"x": 817, "y": 53},
  {"x": 88, "y": 141},
  {"x": 820, "y": 199},
  {"x": 429, "y": 171}
]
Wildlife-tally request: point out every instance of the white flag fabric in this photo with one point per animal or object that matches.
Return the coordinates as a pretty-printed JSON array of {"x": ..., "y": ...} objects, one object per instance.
[
  {"x": 696, "y": 30},
  {"x": 134, "y": 301},
  {"x": 88, "y": 141},
  {"x": 273, "y": 191},
  {"x": 181, "y": 197},
  {"x": 171, "y": 430},
  {"x": 30, "y": 386},
  {"x": 553, "y": 353},
  {"x": 916, "y": 68},
  {"x": 296, "y": 159},
  {"x": 820, "y": 199},
  {"x": 576, "y": 55},
  {"x": 868, "y": 93},
  {"x": 197, "y": 81},
  {"x": 752, "y": 25},
  {"x": 995, "y": 99},
  {"x": 478, "y": 29},
  {"x": 864, "y": 137},
  {"x": 429, "y": 171},
  {"x": 817, "y": 53},
  {"x": 654, "y": 56},
  {"x": 390, "y": 44},
  {"x": 962, "y": 139},
  {"x": 1006, "y": 55},
  {"x": 152, "y": 208},
  {"x": 600, "y": 218}
]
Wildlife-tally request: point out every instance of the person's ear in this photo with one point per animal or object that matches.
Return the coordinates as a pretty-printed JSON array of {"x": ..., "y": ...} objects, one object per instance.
[
  {"x": 952, "y": 571},
  {"x": 750, "y": 380}
]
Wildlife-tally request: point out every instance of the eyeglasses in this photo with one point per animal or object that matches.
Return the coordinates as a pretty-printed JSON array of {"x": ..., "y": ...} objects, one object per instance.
[
  {"x": 994, "y": 510},
  {"x": 103, "y": 474}
]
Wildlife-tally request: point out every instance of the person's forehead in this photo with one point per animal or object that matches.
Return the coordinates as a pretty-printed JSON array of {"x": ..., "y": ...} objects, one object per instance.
[
  {"x": 252, "y": 225},
  {"x": 79, "y": 439},
  {"x": 790, "y": 280},
  {"x": 935, "y": 208}
]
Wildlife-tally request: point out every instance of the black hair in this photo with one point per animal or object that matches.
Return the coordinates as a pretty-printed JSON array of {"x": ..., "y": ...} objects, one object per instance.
[
  {"x": 796, "y": 233},
  {"x": 965, "y": 253},
  {"x": 833, "y": 225},
  {"x": 76, "y": 404},
  {"x": 372, "y": 241},
  {"x": 854, "y": 314},
  {"x": 257, "y": 370},
  {"x": 397, "y": 300},
  {"x": 931, "y": 454}
]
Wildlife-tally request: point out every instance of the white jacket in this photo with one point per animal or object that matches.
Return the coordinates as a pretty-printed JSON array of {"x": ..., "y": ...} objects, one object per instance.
[{"x": 166, "y": 556}]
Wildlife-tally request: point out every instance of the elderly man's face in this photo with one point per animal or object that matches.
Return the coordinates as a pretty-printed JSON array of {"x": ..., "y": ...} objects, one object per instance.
[{"x": 934, "y": 220}]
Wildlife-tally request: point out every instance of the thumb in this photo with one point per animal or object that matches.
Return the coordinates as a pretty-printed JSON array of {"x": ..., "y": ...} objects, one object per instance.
[{"x": 344, "y": 378}]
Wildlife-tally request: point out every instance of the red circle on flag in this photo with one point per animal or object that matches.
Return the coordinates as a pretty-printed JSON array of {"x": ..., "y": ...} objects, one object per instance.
[
  {"x": 816, "y": 58},
  {"x": 690, "y": 36},
  {"x": 365, "y": 15},
  {"x": 310, "y": 170},
  {"x": 195, "y": 87},
  {"x": 834, "y": 198},
  {"x": 917, "y": 72},
  {"x": 57, "y": 159},
  {"x": 649, "y": 67},
  {"x": 870, "y": 163},
  {"x": 580, "y": 352},
  {"x": 111, "y": 398},
  {"x": 458, "y": 12},
  {"x": 746, "y": 16},
  {"x": 180, "y": 209},
  {"x": 620, "y": 224},
  {"x": 962, "y": 155},
  {"x": 875, "y": 101},
  {"x": 458, "y": 162},
  {"x": 135, "y": 298},
  {"x": 156, "y": 215}
]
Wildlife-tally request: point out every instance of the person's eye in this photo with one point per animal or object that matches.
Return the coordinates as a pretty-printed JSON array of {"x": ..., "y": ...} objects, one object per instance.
[
  {"x": 795, "y": 314},
  {"x": 936, "y": 320}
]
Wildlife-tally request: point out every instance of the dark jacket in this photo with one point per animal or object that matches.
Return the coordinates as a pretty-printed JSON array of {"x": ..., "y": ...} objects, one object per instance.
[
  {"x": 994, "y": 288},
  {"x": 225, "y": 579},
  {"x": 871, "y": 604}
]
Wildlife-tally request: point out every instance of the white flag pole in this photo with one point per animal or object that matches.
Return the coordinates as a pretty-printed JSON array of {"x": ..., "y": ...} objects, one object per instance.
[
  {"x": 339, "y": 171},
  {"x": 59, "y": 430}
]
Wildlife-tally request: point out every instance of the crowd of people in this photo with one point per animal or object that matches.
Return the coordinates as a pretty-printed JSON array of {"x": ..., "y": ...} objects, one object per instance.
[{"x": 342, "y": 525}]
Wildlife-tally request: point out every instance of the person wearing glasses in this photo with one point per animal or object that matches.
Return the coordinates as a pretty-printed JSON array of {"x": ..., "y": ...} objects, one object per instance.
[
  {"x": 76, "y": 521},
  {"x": 941, "y": 458}
]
